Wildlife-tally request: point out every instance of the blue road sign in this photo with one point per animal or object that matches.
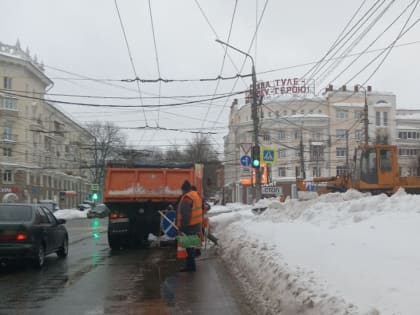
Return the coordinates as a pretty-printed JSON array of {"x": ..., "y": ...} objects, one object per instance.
[
  {"x": 268, "y": 155},
  {"x": 245, "y": 160}
]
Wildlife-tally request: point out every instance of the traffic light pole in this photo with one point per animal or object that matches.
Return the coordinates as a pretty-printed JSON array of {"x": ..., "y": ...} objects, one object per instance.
[{"x": 255, "y": 118}]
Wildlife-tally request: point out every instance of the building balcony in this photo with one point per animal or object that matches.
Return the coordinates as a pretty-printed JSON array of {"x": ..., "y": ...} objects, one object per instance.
[
  {"x": 8, "y": 138},
  {"x": 36, "y": 127},
  {"x": 8, "y": 112}
]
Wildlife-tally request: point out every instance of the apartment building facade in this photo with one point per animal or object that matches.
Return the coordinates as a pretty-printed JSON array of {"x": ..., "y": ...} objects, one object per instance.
[
  {"x": 42, "y": 155},
  {"x": 311, "y": 136}
]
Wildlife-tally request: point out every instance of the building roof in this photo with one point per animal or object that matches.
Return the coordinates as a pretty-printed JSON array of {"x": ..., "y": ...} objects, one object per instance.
[{"x": 14, "y": 54}]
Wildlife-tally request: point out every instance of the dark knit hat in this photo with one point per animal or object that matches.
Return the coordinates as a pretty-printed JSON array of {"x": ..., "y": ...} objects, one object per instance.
[{"x": 186, "y": 186}]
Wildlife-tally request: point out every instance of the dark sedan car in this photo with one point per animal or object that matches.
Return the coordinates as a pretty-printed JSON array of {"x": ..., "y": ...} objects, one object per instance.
[
  {"x": 98, "y": 211},
  {"x": 30, "y": 232}
]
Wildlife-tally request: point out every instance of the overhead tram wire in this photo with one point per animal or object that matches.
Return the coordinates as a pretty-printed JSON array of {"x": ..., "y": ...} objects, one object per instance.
[
  {"x": 249, "y": 49},
  {"x": 223, "y": 62},
  {"x": 130, "y": 57},
  {"x": 341, "y": 58},
  {"x": 376, "y": 39},
  {"x": 355, "y": 31},
  {"x": 402, "y": 32},
  {"x": 315, "y": 67},
  {"x": 157, "y": 65},
  {"x": 347, "y": 36},
  {"x": 118, "y": 106}
]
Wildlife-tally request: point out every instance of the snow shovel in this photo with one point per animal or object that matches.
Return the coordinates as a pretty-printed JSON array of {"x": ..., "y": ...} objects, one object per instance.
[{"x": 185, "y": 240}]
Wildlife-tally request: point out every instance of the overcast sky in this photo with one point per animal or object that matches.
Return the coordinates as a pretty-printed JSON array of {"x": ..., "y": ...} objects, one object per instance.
[{"x": 85, "y": 39}]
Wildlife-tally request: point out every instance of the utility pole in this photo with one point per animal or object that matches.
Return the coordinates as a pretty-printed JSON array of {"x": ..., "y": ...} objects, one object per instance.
[
  {"x": 302, "y": 162},
  {"x": 366, "y": 120},
  {"x": 255, "y": 118},
  {"x": 347, "y": 152}
]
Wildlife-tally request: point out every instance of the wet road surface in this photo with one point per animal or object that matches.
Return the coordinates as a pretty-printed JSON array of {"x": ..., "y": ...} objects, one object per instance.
[{"x": 95, "y": 280}]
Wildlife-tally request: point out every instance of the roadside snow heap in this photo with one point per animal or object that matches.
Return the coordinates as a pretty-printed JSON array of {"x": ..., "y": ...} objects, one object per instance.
[{"x": 348, "y": 253}]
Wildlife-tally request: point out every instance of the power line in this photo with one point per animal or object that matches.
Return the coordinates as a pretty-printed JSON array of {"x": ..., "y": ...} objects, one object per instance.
[
  {"x": 130, "y": 57},
  {"x": 117, "y": 106}
]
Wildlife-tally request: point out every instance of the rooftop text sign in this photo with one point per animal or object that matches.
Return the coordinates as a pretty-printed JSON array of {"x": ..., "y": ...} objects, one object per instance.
[{"x": 287, "y": 86}]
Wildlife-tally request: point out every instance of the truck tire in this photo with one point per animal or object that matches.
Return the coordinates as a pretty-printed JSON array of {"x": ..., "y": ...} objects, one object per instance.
[{"x": 114, "y": 242}]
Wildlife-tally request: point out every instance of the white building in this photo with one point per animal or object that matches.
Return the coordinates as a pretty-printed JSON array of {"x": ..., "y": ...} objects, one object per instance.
[
  {"x": 41, "y": 156},
  {"x": 328, "y": 129}
]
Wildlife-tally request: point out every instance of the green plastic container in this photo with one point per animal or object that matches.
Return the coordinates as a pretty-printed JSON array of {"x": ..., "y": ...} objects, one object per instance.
[{"x": 189, "y": 241}]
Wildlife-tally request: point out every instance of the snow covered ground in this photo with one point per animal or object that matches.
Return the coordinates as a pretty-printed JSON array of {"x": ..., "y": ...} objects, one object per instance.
[{"x": 346, "y": 253}]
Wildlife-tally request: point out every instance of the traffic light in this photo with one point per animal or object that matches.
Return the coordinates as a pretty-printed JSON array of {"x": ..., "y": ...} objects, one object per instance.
[
  {"x": 255, "y": 157},
  {"x": 94, "y": 196}
]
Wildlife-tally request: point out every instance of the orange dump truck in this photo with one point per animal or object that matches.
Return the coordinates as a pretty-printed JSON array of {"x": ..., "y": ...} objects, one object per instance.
[{"x": 135, "y": 192}]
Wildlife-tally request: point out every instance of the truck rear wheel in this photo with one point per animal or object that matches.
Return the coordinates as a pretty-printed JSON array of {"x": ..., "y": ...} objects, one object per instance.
[{"x": 114, "y": 242}]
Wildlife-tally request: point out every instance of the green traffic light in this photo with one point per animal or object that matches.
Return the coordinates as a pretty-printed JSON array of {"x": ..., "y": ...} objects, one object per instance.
[
  {"x": 95, "y": 196},
  {"x": 255, "y": 163}
]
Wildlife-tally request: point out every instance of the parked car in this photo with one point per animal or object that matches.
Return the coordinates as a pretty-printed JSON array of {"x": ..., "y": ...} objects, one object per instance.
[
  {"x": 98, "y": 211},
  {"x": 84, "y": 207},
  {"x": 30, "y": 232},
  {"x": 50, "y": 204}
]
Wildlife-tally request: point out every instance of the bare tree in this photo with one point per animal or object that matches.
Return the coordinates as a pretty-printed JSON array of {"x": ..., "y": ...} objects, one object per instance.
[
  {"x": 200, "y": 150},
  {"x": 108, "y": 141}
]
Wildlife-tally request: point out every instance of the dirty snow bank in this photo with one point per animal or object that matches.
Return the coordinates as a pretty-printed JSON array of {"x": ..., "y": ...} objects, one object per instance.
[{"x": 346, "y": 253}]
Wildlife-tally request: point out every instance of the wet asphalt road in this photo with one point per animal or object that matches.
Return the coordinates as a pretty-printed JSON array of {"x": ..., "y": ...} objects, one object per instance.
[{"x": 95, "y": 280}]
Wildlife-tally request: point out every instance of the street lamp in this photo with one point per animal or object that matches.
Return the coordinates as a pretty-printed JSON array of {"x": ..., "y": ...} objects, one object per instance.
[{"x": 257, "y": 188}]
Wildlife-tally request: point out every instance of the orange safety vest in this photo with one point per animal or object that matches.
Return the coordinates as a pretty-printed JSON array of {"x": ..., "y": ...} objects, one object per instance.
[{"x": 197, "y": 211}]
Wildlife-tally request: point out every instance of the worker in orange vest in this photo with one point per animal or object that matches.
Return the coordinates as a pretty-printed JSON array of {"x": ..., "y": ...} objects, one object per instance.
[{"x": 189, "y": 220}]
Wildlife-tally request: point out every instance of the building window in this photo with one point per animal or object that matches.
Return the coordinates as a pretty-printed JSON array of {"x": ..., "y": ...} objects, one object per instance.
[
  {"x": 297, "y": 134},
  {"x": 7, "y": 133},
  {"x": 341, "y": 114},
  {"x": 7, "y": 83},
  {"x": 297, "y": 171},
  {"x": 285, "y": 113},
  {"x": 269, "y": 114},
  {"x": 408, "y": 152},
  {"x": 378, "y": 118},
  {"x": 316, "y": 135},
  {"x": 316, "y": 171},
  {"x": 282, "y": 171},
  {"x": 266, "y": 137},
  {"x": 340, "y": 152},
  {"x": 277, "y": 114},
  {"x": 7, "y": 176},
  {"x": 358, "y": 134},
  {"x": 409, "y": 135},
  {"x": 385, "y": 118},
  {"x": 340, "y": 133},
  {"x": 281, "y": 153},
  {"x": 282, "y": 135},
  {"x": 298, "y": 153},
  {"x": 311, "y": 111},
  {"x": 7, "y": 151},
  {"x": 316, "y": 153},
  {"x": 293, "y": 112},
  {"x": 8, "y": 103},
  {"x": 358, "y": 114},
  {"x": 341, "y": 170},
  {"x": 302, "y": 111}
]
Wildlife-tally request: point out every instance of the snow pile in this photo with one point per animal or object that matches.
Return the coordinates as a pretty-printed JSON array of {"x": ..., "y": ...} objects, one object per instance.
[
  {"x": 348, "y": 253},
  {"x": 70, "y": 214}
]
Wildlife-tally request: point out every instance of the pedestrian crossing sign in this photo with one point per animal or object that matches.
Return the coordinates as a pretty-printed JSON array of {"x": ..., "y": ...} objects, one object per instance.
[{"x": 268, "y": 155}]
